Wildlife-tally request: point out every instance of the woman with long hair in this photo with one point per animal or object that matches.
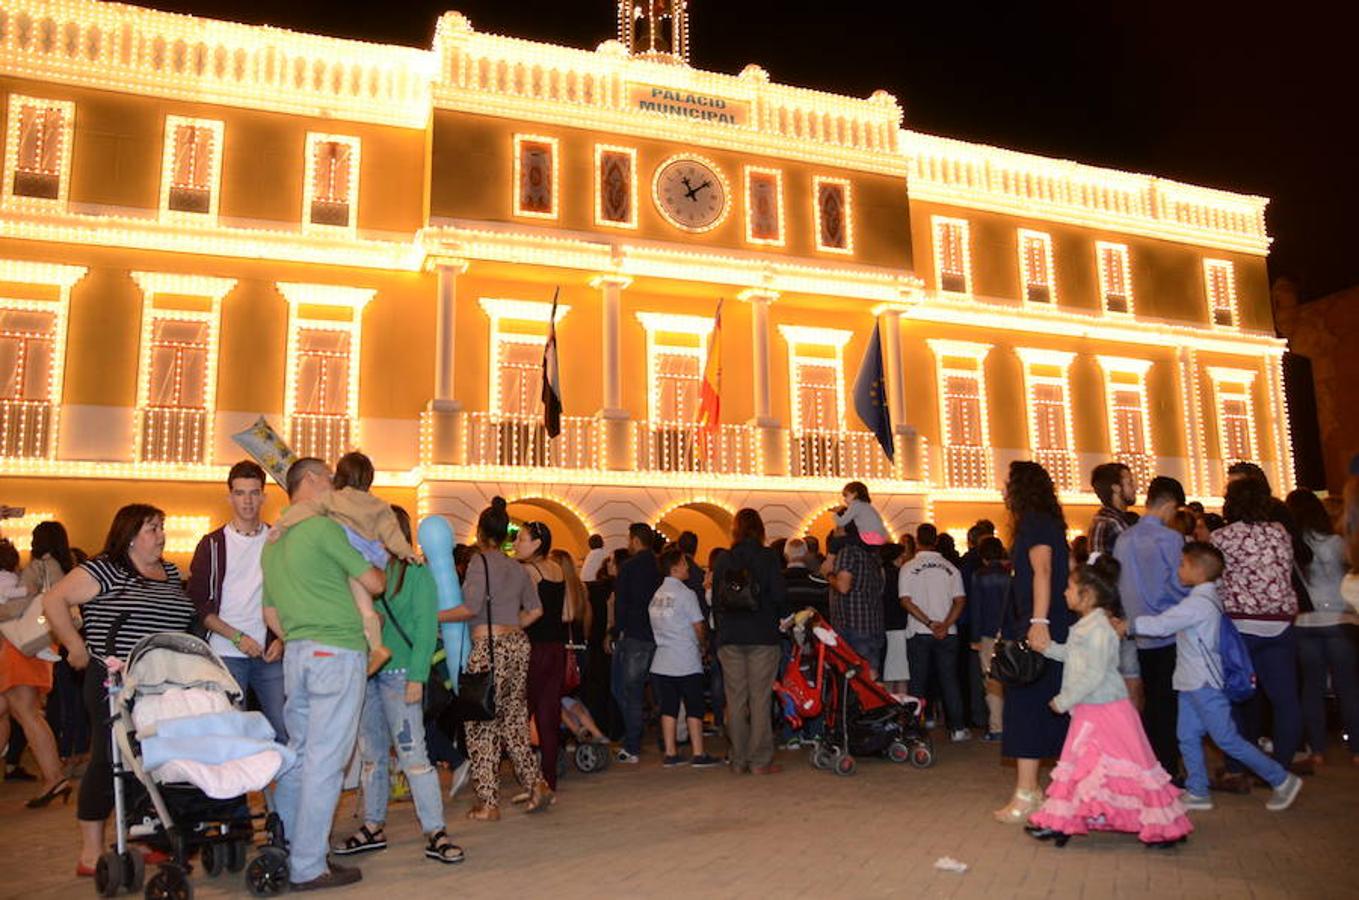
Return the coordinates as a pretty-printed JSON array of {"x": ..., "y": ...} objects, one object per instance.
[
  {"x": 1326, "y": 635},
  {"x": 125, "y": 593},
  {"x": 547, "y": 642},
  {"x": 1256, "y": 590},
  {"x": 499, "y": 602},
  {"x": 50, "y": 558},
  {"x": 1037, "y": 613}
]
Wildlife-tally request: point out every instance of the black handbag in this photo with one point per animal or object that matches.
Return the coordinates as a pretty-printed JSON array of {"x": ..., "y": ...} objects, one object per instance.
[
  {"x": 476, "y": 700},
  {"x": 1015, "y": 663}
]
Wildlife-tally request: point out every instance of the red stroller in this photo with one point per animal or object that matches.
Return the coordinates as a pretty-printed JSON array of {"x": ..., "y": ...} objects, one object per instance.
[{"x": 825, "y": 676}]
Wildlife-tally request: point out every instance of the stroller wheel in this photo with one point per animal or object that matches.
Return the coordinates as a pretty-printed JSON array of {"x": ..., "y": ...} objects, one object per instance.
[
  {"x": 170, "y": 883},
  {"x": 267, "y": 873},
  {"x": 213, "y": 858},
  {"x": 922, "y": 757},
  {"x": 134, "y": 870},
  {"x": 898, "y": 752},
  {"x": 820, "y": 758},
  {"x": 845, "y": 765},
  {"x": 237, "y": 851},
  {"x": 108, "y": 874},
  {"x": 591, "y": 758}
]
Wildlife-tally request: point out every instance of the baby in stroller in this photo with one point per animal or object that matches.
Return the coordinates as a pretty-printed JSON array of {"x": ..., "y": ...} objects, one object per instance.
[{"x": 185, "y": 755}]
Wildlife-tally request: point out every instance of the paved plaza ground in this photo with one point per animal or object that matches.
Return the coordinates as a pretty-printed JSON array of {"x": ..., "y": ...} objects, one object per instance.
[{"x": 643, "y": 831}]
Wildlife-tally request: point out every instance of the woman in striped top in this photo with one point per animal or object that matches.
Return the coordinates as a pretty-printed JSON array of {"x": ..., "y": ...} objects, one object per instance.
[{"x": 128, "y": 578}]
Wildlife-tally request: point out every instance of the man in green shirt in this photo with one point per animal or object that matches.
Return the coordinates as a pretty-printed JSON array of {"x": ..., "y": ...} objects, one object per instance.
[{"x": 307, "y": 600}]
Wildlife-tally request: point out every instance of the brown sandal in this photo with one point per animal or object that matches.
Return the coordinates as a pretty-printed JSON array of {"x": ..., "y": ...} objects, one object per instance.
[
  {"x": 484, "y": 813},
  {"x": 541, "y": 799}
]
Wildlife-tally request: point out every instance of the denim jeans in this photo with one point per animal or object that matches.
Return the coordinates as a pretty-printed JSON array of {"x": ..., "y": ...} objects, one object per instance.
[
  {"x": 925, "y": 652},
  {"x": 324, "y": 687},
  {"x": 266, "y": 680},
  {"x": 1322, "y": 651},
  {"x": 631, "y": 669},
  {"x": 1276, "y": 675},
  {"x": 1208, "y": 711},
  {"x": 387, "y": 721},
  {"x": 870, "y": 645}
]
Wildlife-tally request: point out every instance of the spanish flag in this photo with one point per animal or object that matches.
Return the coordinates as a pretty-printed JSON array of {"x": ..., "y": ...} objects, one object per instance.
[{"x": 710, "y": 392}]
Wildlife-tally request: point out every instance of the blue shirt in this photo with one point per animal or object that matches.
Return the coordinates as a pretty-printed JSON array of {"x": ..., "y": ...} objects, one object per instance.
[
  {"x": 1149, "y": 553},
  {"x": 1196, "y": 624}
]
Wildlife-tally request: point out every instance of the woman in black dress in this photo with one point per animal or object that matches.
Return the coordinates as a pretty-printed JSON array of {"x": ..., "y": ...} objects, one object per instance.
[{"x": 1037, "y": 612}]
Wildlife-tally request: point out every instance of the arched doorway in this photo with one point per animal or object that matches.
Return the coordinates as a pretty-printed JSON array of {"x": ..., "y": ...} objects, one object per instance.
[
  {"x": 712, "y": 524},
  {"x": 569, "y": 533}
]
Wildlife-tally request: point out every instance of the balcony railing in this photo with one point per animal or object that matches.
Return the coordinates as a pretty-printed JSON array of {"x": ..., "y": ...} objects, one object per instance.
[
  {"x": 1061, "y": 465},
  {"x": 25, "y": 427},
  {"x": 968, "y": 466},
  {"x": 171, "y": 434},
  {"x": 666, "y": 447},
  {"x": 495, "y": 440},
  {"x": 837, "y": 454},
  {"x": 323, "y": 435}
]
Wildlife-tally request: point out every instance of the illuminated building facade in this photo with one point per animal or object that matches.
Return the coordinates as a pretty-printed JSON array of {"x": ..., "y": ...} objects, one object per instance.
[{"x": 202, "y": 222}]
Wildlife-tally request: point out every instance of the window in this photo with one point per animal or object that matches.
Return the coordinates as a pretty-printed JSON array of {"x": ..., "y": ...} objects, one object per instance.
[
  {"x": 1115, "y": 276},
  {"x": 1125, "y": 395},
  {"x": 321, "y": 406},
  {"x": 535, "y": 176},
  {"x": 764, "y": 206},
  {"x": 192, "y": 173},
  {"x": 1235, "y": 415},
  {"x": 38, "y": 149},
  {"x": 833, "y": 214},
  {"x": 821, "y": 444},
  {"x": 1036, "y": 276},
  {"x": 1050, "y": 428},
  {"x": 28, "y": 360},
  {"x": 677, "y": 349},
  {"x": 615, "y": 186},
  {"x": 951, "y": 254},
  {"x": 1220, "y": 283},
  {"x": 963, "y": 422},
  {"x": 331, "y": 193},
  {"x": 177, "y": 370}
]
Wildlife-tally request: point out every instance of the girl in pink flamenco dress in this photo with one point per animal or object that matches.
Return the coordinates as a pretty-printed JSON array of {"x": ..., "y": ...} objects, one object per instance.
[{"x": 1108, "y": 778}]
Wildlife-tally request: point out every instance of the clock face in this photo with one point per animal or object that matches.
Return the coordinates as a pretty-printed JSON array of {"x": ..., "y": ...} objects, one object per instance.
[{"x": 691, "y": 194}]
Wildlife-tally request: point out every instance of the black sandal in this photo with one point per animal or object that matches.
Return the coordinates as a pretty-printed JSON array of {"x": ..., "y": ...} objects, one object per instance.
[
  {"x": 362, "y": 841},
  {"x": 441, "y": 849}
]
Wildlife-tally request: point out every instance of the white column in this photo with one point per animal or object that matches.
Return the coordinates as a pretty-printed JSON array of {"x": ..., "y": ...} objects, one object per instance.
[
  {"x": 906, "y": 462},
  {"x": 760, "y": 300},
  {"x": 614, "y": 422},
  {"x": 445, "y": 331}
]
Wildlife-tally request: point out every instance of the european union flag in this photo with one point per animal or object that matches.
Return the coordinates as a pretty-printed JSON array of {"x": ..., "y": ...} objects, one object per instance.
[{"x": 870, "y": 393}]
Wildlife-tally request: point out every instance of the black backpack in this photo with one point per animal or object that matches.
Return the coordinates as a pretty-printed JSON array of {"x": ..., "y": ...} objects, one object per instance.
[{"x": 738, "y": 591}]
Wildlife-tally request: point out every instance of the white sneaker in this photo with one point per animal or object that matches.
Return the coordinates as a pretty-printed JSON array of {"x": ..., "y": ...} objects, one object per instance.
[
  {"x": 962, "y": 734},
  {"x": 623, "y": 756},
  {"x": 1284, "y": 794},
  {"x": 1197, "y": 803},
  {"x": 460, "y": 776}
]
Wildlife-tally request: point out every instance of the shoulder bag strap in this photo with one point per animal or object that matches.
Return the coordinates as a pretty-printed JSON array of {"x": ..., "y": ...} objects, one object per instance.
[{"x": 490, "y": 632}]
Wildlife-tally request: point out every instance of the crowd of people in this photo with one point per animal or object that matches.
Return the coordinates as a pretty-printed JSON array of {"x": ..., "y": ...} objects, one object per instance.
[{"x": 1113, "y": 654}]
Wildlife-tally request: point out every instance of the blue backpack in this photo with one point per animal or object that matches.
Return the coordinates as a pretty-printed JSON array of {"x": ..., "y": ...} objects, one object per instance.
[{"x": 1238, "y": 674}]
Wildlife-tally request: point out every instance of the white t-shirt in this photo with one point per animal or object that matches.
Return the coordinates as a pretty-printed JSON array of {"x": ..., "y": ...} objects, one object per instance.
[
  {"x": 931, "y": 582},
  {"x": 242, "y": 590},
  {"x": 594, "y": 561},
  {"x": 674, "y": 609}
]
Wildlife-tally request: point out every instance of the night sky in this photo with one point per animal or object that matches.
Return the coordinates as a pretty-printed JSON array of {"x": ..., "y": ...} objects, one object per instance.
[{"x": 1247, "y": 97}]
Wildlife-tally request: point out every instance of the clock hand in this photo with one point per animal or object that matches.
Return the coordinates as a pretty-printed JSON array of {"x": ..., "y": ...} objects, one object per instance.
[{"x": 695, "y": 191}]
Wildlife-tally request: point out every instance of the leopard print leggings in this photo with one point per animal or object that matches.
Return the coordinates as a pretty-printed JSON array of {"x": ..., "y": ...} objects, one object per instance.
[{"x": 510, "y": 730}]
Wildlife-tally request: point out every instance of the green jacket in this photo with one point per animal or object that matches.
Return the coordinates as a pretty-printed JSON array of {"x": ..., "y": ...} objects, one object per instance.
[{"x": 415, "y": 607}]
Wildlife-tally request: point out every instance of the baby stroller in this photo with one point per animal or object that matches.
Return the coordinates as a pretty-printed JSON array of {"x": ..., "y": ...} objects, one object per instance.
[
  {"x": 184, "y": 757},
  {"x": 825, "y": 676}
]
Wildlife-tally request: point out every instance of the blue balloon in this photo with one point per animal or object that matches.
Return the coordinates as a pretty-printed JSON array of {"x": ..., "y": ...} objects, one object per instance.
[{"x": 436, "y": 542}]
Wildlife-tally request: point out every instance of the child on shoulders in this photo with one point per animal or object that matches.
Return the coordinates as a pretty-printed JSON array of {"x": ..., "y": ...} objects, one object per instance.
[
  {"x": 1108, "y": 778},
  {"x": 1196, "y": 622},
  {"x": 860, "y": 514}
]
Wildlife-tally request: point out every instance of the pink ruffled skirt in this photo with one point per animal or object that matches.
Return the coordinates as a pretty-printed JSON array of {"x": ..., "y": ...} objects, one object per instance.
[{"x": 1108, "y": 779}]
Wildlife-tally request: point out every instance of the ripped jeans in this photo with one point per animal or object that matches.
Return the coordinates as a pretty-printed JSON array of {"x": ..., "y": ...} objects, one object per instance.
[{"x": 389, "y": 721}]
